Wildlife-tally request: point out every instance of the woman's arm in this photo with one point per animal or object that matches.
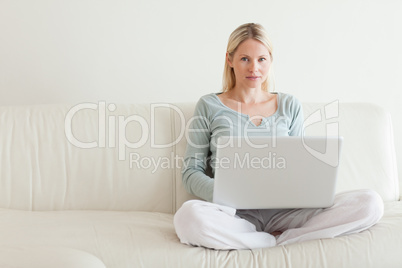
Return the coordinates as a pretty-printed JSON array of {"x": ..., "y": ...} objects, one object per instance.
[
  {"x": 296, "y": 125},
  {"x": 194, "y": 168}
]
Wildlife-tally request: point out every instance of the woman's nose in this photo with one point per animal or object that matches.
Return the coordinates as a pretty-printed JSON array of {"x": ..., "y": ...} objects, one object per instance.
[{"x": 253, "y": 66}]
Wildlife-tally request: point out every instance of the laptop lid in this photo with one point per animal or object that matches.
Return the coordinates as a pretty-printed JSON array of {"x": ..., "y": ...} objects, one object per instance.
[{"x": 276, "y": 172}]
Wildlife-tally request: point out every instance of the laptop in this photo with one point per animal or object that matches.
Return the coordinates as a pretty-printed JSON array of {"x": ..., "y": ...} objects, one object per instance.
[{"x": 276, "y": 172}]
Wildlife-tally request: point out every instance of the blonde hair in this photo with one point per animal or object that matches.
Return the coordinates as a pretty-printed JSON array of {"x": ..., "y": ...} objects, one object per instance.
[{"x": 242, "y": 33}]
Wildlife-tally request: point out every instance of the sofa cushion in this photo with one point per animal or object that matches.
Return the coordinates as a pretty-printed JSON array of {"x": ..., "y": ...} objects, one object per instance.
[
  {"x": 41, "y": 257},
  {"x": 144, "y": 239}
]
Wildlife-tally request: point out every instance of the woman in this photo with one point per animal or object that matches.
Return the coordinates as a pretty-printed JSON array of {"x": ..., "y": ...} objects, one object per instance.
[{"x": 247, "y": 107}]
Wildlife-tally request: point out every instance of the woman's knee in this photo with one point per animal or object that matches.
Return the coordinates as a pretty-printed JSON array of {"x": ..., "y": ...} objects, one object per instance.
[
  {"x": 201, "y": 223},
  {"x": 375, "y": 204},
  {"x": 189, "y": 222},
  {"x": 371, "y": 205},
  {"x": 186, "y": 213}
]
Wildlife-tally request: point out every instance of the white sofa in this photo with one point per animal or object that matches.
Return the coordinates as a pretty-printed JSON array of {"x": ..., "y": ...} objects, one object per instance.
[{"x": 74, "y": 194}]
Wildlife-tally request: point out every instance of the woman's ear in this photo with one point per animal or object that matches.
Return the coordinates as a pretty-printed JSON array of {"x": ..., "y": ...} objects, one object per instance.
[{"x": 228, "y": 60}]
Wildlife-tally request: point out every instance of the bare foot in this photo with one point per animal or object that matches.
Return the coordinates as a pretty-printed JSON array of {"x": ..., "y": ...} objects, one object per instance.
[{"x": 276, "y": 233}]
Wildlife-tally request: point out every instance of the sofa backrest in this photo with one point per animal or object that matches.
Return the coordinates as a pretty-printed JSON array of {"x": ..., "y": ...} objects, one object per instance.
[
  {"x": 368, "y": 156},
  {"x": 102, "y": 156},
  {"x": 59, "y": 157}
]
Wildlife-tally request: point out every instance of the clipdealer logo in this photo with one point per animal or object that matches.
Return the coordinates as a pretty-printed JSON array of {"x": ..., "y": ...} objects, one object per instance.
[
  {"x": 109, "y": 125},
  {"x": 112, "y": 132}
]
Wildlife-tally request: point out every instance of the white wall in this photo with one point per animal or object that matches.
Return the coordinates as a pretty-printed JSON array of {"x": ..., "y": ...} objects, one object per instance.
[{"x": 72, "y": 51}]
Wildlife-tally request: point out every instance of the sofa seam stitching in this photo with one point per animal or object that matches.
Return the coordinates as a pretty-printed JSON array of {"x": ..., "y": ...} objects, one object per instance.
[
  {"x": 173, "y": 134},
  {"x": 394, "y": 168}
]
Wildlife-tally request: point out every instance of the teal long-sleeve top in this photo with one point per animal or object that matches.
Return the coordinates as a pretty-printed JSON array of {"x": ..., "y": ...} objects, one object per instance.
[{"x": 213, "y": 119}]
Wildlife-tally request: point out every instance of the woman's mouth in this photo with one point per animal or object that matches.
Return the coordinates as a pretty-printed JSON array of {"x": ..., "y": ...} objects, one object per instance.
[{"x": 253, "y": 77}]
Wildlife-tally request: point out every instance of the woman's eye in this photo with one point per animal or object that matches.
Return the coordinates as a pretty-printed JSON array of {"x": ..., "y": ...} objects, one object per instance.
[
  {"x": 263, "y": 59},
  {"x": 244, "y": 59}
]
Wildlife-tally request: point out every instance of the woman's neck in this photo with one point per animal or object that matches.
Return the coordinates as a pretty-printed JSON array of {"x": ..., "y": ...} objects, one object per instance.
[{"x": 248, "y": 96}]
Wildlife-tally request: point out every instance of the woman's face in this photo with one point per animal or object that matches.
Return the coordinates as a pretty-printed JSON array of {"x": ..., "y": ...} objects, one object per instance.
[{"x": 250, "y": 64}]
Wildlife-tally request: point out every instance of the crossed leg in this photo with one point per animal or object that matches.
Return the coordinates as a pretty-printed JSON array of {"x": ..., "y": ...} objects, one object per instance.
[
  {"x": 201, "y": 223},
  {"x": 352, "y": 212}
]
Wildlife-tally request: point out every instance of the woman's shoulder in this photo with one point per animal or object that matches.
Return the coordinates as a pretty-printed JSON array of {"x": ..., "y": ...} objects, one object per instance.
[
  {"x": 289, "y": 102},
  {"x": 208, "y": 103},
  {"x": 287, "y": 98},
  {"x": 211, "y": 97}
]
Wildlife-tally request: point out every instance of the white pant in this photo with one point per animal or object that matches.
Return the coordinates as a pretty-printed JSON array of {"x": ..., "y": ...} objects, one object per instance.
[{"x": 200, "y": 223}]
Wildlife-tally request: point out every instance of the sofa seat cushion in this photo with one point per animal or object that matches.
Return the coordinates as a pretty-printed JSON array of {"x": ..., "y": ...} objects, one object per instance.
[
  {"x": 40, "y": 257},
  {"x": 147, "y": 239}
]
